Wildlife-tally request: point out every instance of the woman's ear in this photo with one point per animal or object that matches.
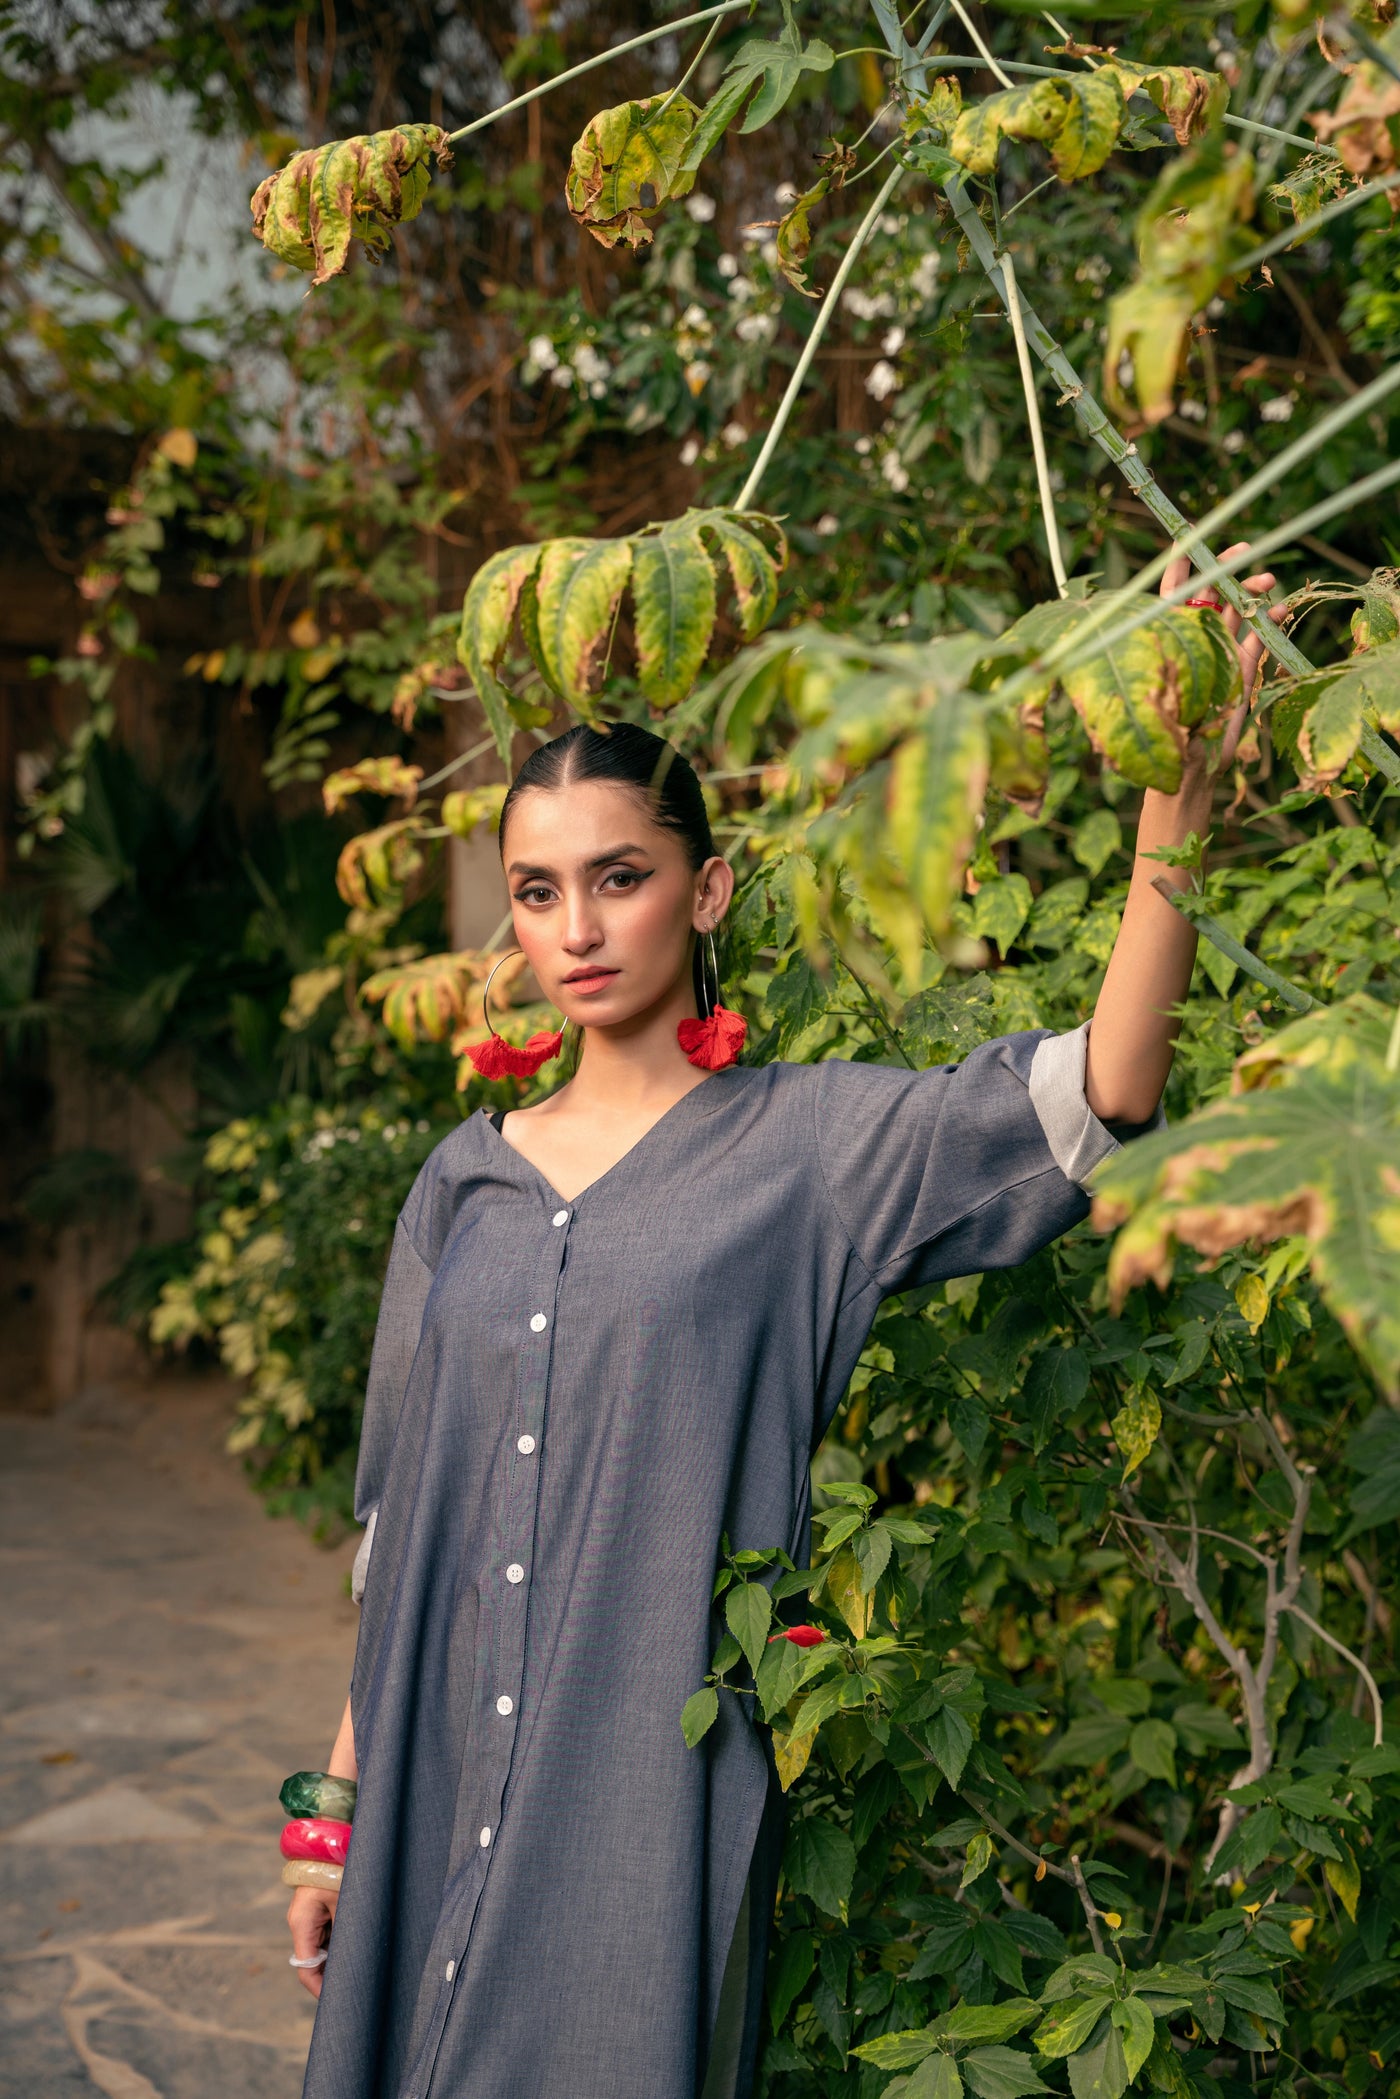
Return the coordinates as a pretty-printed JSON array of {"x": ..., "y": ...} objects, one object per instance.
[{"x": 714, "y": 893}]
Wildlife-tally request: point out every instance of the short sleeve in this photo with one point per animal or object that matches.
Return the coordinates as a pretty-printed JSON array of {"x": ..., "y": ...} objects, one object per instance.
[
  {"x": 962, "y": 1167},
  {"x": 406, "y": 1287}
]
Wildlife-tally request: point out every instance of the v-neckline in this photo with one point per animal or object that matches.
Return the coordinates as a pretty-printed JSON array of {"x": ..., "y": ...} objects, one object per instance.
[{"x": 572, "y": 1202}]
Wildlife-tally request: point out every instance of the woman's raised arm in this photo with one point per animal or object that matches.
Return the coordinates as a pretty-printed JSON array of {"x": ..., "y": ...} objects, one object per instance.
[{"x": 1133, "y": 1037}]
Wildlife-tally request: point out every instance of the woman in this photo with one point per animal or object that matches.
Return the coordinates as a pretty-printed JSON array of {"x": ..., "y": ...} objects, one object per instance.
[{"x": 615, "y": 1325}]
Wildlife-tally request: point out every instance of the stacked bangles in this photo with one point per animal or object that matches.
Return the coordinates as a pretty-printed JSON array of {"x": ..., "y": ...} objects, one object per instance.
[{"x": 315, "y": 1841}]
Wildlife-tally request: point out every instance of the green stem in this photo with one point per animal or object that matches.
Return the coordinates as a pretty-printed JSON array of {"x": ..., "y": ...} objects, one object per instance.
[
  {"x": 1291, "y": 235},
  {"x": 1183, "y": 901},
  {"x": 967, "y": 22},
  {"x": 1042, "y": 464},
  {"x": 744, "y": 499},
  {"x": 600, "y": 58},
  {"x": 710, "y": 34}
]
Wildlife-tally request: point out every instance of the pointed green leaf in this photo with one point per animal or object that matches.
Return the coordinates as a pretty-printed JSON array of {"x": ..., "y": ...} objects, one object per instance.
[
  {"x": 578, "y": 587},
  {"x": 748, "y": 1611},
  {"x": 699, "y": 1713},
  {"x": 1136, "y": 1426},
  {"x": 968, "y": 2023},
  {"x": 1069, "y": 2026},
  {"x": 1135, "y": 2022},
  {"x": 949, "y": 1739},
  {"x": 774, "y": 66},
  {"x": 788, "y": 1973},
  {"x": 1100, "y": 2071},
  {"x": 820, "y": 1862},
  {"x": 673, "y": 589},
  {"x": 1002, "y": 2073},
  {"x": 1152, "y": 1747},
  {"x": 897, "y": 2051},
  {"x": 936, "y": 2078}
]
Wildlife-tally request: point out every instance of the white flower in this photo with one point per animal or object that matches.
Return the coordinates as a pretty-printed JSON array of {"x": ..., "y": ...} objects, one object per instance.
[
  {"x": 690, "y": 451},
  {"x": 786, "y": 193},
  {"x": 756, "y": 327},
  {"x": 827, "y": 525},
  {"x": 543, "y": 354},
  {"x": 769, "y": 252},
  {"x": 1193, "y": 411},
  {"x": 892, "y": 341},
  {"x": 1233, "y": 441},
  {"x": 733, "y": 434},
  {"x": 588, "y": 364},
  {"x": 925, "y": 275},
  {"x": 727, "y": 265},
  {"x": 741, "y": 288},
  {"x": 561, "y": 376},
  {"x": 868, "y": 308},
  {"x": 894, "y": 472},
  {"x": 862, "y": 446},
  {"x": 1278, "y": 410},
  {"x": 701, "y": 208},
  {"x": 695, "y": 317},
  {"x": 597, "y": 390},
  {"x": 1215, "y": 309},
  {"x": 881, "y": 381},
  {"x": 898, "y": 619}
]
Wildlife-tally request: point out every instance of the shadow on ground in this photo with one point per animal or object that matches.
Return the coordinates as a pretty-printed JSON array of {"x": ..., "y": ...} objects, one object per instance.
[{"x": 168, "y": 1653}]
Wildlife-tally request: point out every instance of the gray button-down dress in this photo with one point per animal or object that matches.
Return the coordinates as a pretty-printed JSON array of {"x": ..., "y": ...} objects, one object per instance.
[{"x": 569, "y": 1402}]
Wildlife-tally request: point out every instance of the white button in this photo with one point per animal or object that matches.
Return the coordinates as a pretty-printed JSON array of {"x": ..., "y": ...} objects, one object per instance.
[
  {"x": 561, "y": 1217},
  {"x": 485, "y": 1838},
  {"x": 515, "y": 1572},
  {"x": 451, "y": 1971},
  {"x": 525, "y": 1444},
  {"x": 538, "y": 1323},
  {"x": 505, "y": 1705}
]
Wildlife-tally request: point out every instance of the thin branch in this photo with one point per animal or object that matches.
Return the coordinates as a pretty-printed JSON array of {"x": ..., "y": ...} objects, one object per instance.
[
  {"x": 1087, "y": 1903},
  {"x": 1377, "y": 1710},
  {"x": 1215, "y": 933},
  {"x": 1313, "y": 328},
  {"x": 710, "y": 34},
  {"x": 1042, "y": 464},
  {"x": 967, "y": 22},
  {"x": 600, "y": 58},
  {"x": 1305, "y": 228},
  {"x": 747, "y": 493},
  {"x": 1153, "y": 1523}
]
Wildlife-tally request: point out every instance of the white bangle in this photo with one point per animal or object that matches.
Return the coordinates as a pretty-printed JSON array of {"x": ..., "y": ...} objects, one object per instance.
[{"x": 314, "y": 1962}]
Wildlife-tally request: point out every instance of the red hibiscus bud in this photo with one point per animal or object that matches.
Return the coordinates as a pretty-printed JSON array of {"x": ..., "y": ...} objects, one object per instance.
[{"x": 804, "y": 1635}]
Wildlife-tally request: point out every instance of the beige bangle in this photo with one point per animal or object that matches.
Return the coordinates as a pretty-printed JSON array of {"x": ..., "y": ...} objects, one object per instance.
[{"x": 311, "y": 1873}]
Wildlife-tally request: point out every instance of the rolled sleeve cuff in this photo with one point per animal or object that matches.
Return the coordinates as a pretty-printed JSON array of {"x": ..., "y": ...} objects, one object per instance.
[
  {"x": 1078, "y": 1141},
  {"x": 360, "y": 1566}
]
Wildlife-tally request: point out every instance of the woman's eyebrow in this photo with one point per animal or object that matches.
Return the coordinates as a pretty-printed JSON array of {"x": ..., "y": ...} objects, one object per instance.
[{"x": 536, "y": 873}]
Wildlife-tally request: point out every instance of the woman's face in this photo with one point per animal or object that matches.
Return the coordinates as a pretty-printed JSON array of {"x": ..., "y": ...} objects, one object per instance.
[{"x": 605, "y": 901}]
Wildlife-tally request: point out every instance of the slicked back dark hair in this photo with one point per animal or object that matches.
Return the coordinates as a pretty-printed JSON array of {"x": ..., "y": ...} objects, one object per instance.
[{"x": 625, "y": 755}]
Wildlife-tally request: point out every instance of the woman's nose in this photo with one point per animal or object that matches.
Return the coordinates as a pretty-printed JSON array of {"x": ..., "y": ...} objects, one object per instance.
[{"x": 581, "y": 929}]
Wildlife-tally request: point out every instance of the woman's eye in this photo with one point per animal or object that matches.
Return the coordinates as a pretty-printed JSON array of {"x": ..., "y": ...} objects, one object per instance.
[
  {"x": 624, "y": 877},
  {"x": 536, "y": 893}
]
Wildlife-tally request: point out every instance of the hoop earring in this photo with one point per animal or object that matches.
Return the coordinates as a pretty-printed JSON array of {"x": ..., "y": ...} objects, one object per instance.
[
  {"x": 714, "y": 1041},
  {"x": 495, "y": 1058}
]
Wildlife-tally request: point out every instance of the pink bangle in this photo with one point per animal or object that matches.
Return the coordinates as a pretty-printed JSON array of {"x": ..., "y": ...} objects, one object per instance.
[
  {"x": 318, "y": 1838},
  {"x": 1208, "y": 599}
]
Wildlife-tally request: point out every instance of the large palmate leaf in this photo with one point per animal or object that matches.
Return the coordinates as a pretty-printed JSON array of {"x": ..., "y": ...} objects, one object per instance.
[
  {"x": 566, "y": 596},
  {"x": 1078, "y": 118},
  {"x": 1140, "y": 697},
  {"x": 627, "y": 164},
  {"x": 355, "y": 188},
  {"x": 1189, "y": 232},
  {"x": 1314, "y": 1153},
  {"x": 773, "y": 67}
]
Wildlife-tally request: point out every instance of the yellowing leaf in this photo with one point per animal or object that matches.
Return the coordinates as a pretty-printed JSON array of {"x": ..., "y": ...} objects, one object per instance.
[
  {"x": 1363, "y": 126},
  {"x": 1299, "y": 1931},
  {"x": 794, "y": 237},
  {"x": 355, "y": 188},
  {"x": 1140, "y": 698},
  {"x": 1135, "y": 1427},
  {"x": 180, "y": 447},
  {"x": 1343, "y": 1876},
  {"x": 627, "y": 164},
  {"x": 937, "y": 782},
  {"x": 1308, "y": 1150},
  {"x": 1190, "y": 99},
  {"x": 568, "y": 592},
  {"x": 1338, "y": 700},
  {"x": 424, "y": 1000},
  {"x": 847, "y": 1593},
  {"x": 979, "y": 1857},
  {"x": 463, "y": 810},
  {"x": 304, "y": 633},
  {"x": 319, "y": 663},
  {"x": 790, "y": 1754},
  {"x": 375, "y": 866},
  {"x": 1253, "y": 1301},
  {"x": 1079, "y": 119},
  {"x": 1192, "y": 226},
  {"x": 388, "y": 776}
]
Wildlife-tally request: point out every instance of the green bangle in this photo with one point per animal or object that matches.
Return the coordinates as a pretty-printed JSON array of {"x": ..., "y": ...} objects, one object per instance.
[{"x": 316, "y": 1793}]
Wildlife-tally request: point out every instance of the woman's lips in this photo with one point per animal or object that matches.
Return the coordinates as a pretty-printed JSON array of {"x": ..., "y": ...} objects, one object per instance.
[{"x": 591, "y": 980}]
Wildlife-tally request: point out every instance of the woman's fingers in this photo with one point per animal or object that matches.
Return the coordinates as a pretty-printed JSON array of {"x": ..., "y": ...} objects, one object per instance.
[{"x": 310, "y": 1915}]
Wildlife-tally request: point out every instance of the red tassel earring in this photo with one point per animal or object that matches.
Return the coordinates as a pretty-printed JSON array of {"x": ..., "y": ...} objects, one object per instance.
[
  {"x": 495, "y": 1058},
  {"x": 714, "y": 1043}
]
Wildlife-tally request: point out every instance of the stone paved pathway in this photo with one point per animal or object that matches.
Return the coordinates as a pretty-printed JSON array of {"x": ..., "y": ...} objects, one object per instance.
[{"x": 167, "y": 1654}]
